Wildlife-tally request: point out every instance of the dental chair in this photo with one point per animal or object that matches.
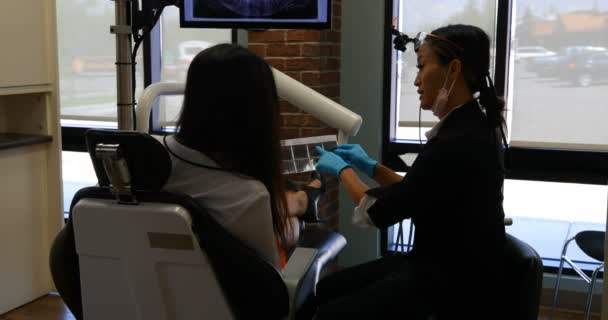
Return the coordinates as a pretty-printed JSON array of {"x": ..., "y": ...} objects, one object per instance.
[{"x": 131, "y": 251}]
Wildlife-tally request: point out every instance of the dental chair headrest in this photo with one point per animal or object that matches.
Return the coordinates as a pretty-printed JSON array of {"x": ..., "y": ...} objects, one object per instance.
[{"x": 147, "y": 159}]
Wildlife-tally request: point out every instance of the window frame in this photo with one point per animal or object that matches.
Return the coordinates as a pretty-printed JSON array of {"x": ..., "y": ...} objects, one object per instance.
[{"x": 539, "y": 164}]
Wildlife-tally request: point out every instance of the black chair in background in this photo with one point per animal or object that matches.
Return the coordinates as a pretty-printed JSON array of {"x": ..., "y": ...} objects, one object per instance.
[
  {"x": 592, "y": 244},
  {"x": 523, "y": 280}
]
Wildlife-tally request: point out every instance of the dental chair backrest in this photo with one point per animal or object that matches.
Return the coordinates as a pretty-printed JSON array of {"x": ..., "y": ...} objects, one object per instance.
[{"x": 141, "y": 253}]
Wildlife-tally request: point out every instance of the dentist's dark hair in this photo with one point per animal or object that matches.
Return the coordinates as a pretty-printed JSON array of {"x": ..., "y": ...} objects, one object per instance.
[
  {"x": 230, "y": 113},
  {"x": 475, "y": 58}
]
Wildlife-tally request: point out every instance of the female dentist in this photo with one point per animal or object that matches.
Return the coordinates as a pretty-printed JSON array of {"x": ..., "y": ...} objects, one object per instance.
[{"x": 452, "y": 193}]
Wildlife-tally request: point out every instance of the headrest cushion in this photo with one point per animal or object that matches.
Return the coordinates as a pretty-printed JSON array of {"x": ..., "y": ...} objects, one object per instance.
[{"x": 147, "y": 159}]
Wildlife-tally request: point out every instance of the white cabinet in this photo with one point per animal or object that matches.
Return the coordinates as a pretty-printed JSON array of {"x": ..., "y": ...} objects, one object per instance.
[
  {"x": 25, "y": 32},
  {"x": 30, "y": 150}
]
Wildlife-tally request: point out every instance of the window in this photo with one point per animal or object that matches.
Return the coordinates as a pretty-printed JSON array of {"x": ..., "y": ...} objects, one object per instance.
[
  {"x": 549, "y": 61},
  {"x": 558, "y": 79},
  {"x": 87, "y": 70},
  {"x": 78, "y": 173}
]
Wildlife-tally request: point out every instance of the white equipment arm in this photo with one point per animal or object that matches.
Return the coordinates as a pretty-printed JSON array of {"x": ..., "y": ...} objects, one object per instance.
[{"x": 296, "y": 93}]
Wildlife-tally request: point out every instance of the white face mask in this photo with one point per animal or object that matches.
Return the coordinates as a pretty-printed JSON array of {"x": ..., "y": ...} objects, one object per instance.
[{"x": 440, "y": 104}]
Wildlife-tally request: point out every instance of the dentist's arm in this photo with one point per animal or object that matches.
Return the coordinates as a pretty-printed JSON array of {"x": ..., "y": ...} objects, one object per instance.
[
  {"x": 332, "y": 164},
  {"x": 385, "y": 176},
  {"x": 355, "y": 187}
]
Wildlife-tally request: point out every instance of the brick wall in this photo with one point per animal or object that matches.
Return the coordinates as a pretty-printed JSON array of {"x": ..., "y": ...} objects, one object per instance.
[{"x": 313, "y": 58}]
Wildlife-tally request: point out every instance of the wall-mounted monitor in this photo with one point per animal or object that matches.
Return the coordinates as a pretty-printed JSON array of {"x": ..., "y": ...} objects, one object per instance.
[{"x": 256, "y": 14}]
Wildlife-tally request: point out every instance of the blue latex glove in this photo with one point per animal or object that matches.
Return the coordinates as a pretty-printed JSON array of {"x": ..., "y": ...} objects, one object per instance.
[
  {"x": 355, "y": 155},
  {"x": 330, "y": 163}
]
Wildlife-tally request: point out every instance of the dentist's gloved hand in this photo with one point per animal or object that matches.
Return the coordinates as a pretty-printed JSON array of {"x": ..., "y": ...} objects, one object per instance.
[
  {"x": 330, "y": 163},
  {"x": 355, "y": 155}
]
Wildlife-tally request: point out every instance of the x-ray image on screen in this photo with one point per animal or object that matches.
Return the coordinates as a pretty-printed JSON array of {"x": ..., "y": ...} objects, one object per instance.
[
  {"x": 262, "y": 14},
  {"x": 279, "y": 9}
]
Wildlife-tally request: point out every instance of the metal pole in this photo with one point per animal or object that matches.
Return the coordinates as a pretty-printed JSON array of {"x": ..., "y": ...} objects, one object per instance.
[{"x": 124, "y": 84}]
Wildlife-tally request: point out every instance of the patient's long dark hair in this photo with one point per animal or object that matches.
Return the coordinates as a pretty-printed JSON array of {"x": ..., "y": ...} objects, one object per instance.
[
  {"x": 475, "y": 58},
  {"x": 230, "y": 113}
]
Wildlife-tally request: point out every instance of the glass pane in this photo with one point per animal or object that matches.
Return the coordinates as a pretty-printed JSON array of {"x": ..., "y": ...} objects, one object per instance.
[
  {"x": 423, "y": 16},
  {"x": 78, "y": 172},
  {"x": 560, "y": 74},
  {"x": 559, "y": 211},
  {"x": 87, "y": 53},
  {"x": 179, "y": 46}
]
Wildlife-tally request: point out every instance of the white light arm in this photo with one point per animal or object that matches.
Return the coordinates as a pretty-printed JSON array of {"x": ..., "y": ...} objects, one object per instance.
[
  {"x": 328, "y": 111},
  {"x": 153, "y": 91},
  {"x": 291, "y": 90}
]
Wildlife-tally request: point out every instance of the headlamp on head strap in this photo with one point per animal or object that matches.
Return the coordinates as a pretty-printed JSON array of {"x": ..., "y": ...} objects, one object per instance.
[{"x": 401, "y": 40}]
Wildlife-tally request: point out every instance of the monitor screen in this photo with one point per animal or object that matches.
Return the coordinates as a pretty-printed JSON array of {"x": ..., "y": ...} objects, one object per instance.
[{"x": 256, "y": 14}]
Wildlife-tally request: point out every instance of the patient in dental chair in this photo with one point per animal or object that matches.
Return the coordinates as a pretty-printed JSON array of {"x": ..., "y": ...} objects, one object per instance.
[{"x": 226, "y": 152}]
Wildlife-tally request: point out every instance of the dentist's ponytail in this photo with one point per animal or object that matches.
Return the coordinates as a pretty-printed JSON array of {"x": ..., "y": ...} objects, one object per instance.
[{"x": 489, "y": 100}]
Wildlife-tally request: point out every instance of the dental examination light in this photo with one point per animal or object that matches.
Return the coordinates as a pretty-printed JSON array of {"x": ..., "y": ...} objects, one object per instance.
[{"x": 293, "y": 91}]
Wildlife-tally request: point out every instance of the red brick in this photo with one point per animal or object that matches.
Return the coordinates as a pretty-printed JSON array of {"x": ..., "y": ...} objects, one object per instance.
[
  {"x": 311, "y": 50},
  {"x": 303, "y": 35},
  {"x": 336, "y": 23},
  {"x": 326, "y": 49},
  {"x": 309, "y": 132},
  {"x": 330, "y": 50},
  {"x": 258, "y": 49},
  {"x": 295, "y": 75},
  {"x": 311, "y": 78},
  {"x": 303, "y": 64},
  {"x": 278, "y": 63},
  {"x": 315, "y": 78},
  {"x": 289, "y": 133},
  {"x": 286, "y": 107},
  {"x": 266, "y": 36},
  {"x": 283, "y": 50},
  {"x": 331, "y": 36},
  {"x": 336, "y": 50},
  {"x": 330, "y": 64},
  {"x": 330, "y": 77},
  {"x": 329, "y": 91},
  {"x": 302, "y": 120},
  {"x": 336, "y": 9}
]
